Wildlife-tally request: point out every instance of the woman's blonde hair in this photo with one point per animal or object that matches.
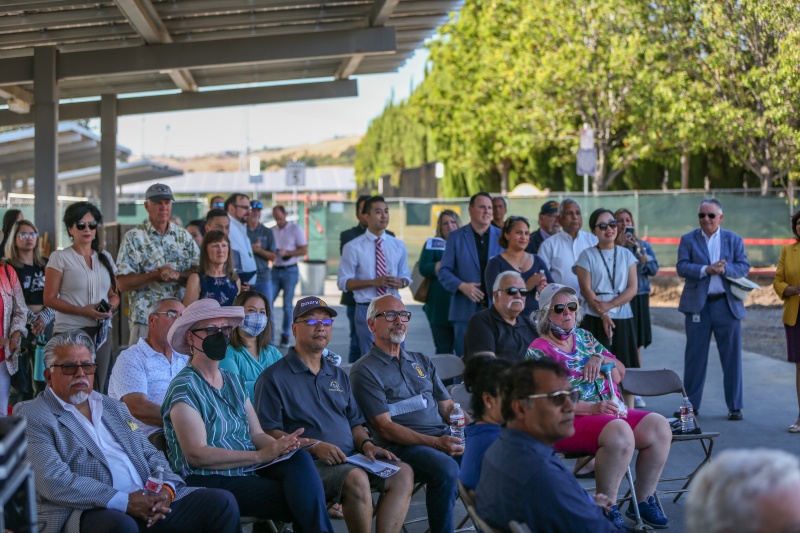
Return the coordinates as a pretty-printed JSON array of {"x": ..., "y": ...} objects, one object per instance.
[
  {"x": 449, "y": 213},
  {"x": 210, "y": 238},
  {"x": 11, "y": 252}
]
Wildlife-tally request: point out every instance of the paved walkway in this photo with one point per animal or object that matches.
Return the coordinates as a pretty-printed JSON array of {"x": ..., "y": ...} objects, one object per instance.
[{"x": 769, "y": 400}]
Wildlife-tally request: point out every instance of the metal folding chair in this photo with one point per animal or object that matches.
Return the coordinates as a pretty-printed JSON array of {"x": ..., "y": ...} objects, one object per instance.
[
  {"x": 448, "y": 366},
  {"x": 647, "y": 382}
]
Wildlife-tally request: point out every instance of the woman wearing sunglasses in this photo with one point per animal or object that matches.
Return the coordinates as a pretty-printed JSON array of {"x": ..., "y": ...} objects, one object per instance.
[
  {"x": 216, "y": 278},
  {"x": 80, "y": 284},
  {"x": 23, "y": 253},
  {"x": 515, "y": 239},
  {"x": 600, "y": 427},
  {"x": 608, "y": 281},
  {"x": 214, "y": 437}
]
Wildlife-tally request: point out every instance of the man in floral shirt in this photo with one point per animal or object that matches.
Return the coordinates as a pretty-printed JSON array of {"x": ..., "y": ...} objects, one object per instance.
[{"x": 154, "y": 260}]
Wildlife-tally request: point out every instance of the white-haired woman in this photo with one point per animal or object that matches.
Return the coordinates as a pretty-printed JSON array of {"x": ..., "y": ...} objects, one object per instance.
[
  {"x": 599, "y": 427},
  {"x": 213, "y": 434}
]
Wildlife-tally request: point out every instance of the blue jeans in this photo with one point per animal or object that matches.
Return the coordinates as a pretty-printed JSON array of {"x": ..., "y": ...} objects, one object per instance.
[
  {"x": 365, "y": 337},
  {"x": 440, "y": 472},
  {"x": 264, "y": 287},
  {"x": 285, "y": 279},
  {"x": 354, "y": 354},
  {"x": 460, "y": 334}
]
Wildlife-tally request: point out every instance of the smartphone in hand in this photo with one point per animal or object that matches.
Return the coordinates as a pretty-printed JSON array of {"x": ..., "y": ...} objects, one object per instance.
[{"x": 103, "y": 306}]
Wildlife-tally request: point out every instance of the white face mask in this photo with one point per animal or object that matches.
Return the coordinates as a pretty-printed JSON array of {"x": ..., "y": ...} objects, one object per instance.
[{"x": 254, "y": 324}]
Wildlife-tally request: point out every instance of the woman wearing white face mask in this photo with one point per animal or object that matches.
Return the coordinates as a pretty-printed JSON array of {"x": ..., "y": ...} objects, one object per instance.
[{"x": 249, "y": 351}]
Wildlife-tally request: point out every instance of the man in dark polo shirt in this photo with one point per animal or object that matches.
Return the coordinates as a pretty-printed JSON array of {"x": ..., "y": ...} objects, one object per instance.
[
  {"x": 406, "y": 404},
  {"x": 503, "y": 329},
  {"x": 303, "y": 390}
]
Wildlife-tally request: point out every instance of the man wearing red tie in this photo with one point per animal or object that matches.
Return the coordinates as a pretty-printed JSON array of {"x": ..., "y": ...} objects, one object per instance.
[{"x": 372, "y": 265}]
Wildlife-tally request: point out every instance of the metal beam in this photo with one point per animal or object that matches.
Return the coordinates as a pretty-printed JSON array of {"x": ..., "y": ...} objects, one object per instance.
[
  {"x": 348, "y": 66},
  {"x": 45, "y": 91},
  {"x": 12, "y": 91},
  {"x": 381, "y": 11},
  {"x": 108, "y": 156},
  {"x": 162, "y": 57},
  {"x": 202, "y": 100}
]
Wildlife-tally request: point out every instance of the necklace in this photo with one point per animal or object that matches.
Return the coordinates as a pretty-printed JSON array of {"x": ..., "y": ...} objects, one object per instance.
[{"x": 520, "y": 264}]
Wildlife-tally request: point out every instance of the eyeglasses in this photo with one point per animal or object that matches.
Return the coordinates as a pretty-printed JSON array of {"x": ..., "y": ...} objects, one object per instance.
[
  {"x": 171, "y": 314},
  {"x": 712, "y": 216},
  {"x": 70, "y": 369},
  {"x": 247, "y": 207},
  {"x": 604, "y": 226},
  {"x": 218, "y": 205},
  {"x": 513, "y": 291},
  {"x": 559, "y": 397},
  {"x": 391, "y": 316},
  {"x": 213, "y": 330},
  {"x": 327, "y": 322},
  {"x": 560, "y": 308},
  {"x": 256, "y": 205},
  {"x": 28, "y": 235},
  {"x": 82, "y": 225}
]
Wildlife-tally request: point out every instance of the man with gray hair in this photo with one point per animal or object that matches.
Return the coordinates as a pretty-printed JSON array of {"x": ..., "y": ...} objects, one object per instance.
[
  {"x": 503, "y": 329},
  {"x": 746, "y": 491},
  {"x": 561, "y": 251},
  {"x": 405, "y": 405},
  {"x": 91, "y": 464},
  {"x": 142, "y": 373}
]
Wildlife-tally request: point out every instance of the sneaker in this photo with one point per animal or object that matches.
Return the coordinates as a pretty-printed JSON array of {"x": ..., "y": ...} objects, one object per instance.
[
  {"x": 735, "y": 414},
  {"x": 651, "y": 513},
  {"x": 638, "y": 402},
  {"x": 284, "y": 341},
  {"x": 615, "y": 517}
]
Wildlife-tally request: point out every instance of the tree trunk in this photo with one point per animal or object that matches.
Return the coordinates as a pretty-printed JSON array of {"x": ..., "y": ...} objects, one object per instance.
[
  {"x": 766, "y": 179},
  {"x": 504, "y": 167},
  {"x": 600, "y": 173},
  {"x": 684, "y": 171}
]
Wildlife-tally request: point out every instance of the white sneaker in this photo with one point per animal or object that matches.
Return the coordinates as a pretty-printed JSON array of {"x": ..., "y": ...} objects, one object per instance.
[{"x": 638, "y": 402}]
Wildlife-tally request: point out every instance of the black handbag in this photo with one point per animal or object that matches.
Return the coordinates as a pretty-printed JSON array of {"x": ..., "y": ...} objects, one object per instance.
[{"x": 22, "y": 379}]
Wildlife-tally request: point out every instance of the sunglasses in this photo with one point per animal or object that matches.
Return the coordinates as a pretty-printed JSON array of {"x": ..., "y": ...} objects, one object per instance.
[
  {"x": 327, "y": 322},
  {"x": 70, "y": 369},
  {"x": 218, "y": 205},
  {"x": 256, "y": 205},
  {"x": 213, "y": 330},
  {"x": 171, "y": 314},
  {"x": 560, "y": 308},
  {"x": 513, "y": 291},
  {"x": 603, "y": 226},
  {"x": 559, "y": 397},
  {"x": 712, "y": 216},
  {"x": 82, "y": 225},
  {"x": 28, "y": 235},
  {"x": 391, "y": 316}
]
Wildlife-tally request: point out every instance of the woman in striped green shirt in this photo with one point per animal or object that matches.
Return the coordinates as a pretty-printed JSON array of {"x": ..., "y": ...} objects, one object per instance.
[{"x": 213, "y": 435}]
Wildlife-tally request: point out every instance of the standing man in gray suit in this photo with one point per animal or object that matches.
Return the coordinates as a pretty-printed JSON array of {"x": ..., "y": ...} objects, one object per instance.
[
  {"x": 91, "y": 463},
  {"x": 707, "y": 257}
]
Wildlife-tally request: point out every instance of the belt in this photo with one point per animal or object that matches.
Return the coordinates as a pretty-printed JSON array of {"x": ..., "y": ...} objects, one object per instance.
[
  {"x": 283, "y": 267},
  {"x": 715, "y": 297},
  {"x": 362, "y": 303}
]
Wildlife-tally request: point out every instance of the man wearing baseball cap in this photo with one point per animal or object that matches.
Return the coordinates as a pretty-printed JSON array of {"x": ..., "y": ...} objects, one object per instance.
[
  {"x": 548, "y": 226},
  {"x": 303, "y": 390},
  {"x": 154, "y": 260}
]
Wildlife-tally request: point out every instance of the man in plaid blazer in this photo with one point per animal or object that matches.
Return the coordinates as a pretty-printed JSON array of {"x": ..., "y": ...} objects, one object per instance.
[{"x": 91, "y": 462}]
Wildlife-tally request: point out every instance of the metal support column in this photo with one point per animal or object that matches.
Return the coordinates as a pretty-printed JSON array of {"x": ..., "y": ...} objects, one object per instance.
[
  {"x": 108, "y": 157},
  {"x": 45, "y": 93}
]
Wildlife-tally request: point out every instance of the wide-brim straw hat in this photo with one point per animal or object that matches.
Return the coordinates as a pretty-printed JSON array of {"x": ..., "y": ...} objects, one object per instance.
[{"x": 204, "y": 309}]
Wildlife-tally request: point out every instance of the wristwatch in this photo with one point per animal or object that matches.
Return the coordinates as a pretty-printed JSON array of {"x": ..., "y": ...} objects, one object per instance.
[{"x": 404, "y": 283}]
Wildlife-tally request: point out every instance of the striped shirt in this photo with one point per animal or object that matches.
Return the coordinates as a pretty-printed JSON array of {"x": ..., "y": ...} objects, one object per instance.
[{"x": 223, "y": 412}]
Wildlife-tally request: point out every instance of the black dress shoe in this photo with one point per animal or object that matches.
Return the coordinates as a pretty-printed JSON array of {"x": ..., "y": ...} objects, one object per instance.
[{"x": 735, "y": 414}]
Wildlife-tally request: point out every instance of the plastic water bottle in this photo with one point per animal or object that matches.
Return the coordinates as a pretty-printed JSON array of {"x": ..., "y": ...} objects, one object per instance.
[
  {"x": 457, "y": 423},
  {"x": 687, "y": 416},
  {"x": 155, "y": 482},
  {"x": 622, "y": 409}
]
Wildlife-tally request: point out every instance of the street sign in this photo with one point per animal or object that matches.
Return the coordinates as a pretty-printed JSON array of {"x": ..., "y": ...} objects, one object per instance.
[
  {"x": 295, "y": 174},
  {"x": 587, "y": 138},
  {"x": 254, "y": 169},
  {"x": 587, "y": 162}
]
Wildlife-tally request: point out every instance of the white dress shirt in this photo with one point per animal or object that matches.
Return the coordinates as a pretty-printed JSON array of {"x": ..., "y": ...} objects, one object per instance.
[
  {"x": 124, "y": 475},
  {"x": 241, "y": 243},
  {"x": 713, "y": 243},
  {"x": 288, "y": 238},
  {"x": 358, "y": 262},
  {"x": 560, "y": 253}
]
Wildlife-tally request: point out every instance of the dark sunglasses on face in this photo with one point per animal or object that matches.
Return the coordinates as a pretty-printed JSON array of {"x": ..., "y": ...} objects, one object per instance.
[
  {"x": 213, "y": 330},
  {"x": 171, "y": 314},
  {"x": 559, "y": 397},
  {"x": 513, "y": 291},
  {"x": 70, "y": 369},
  {"x": 218, "y": 205},
  {"x": 559, "y": 308},
  {"x": 314, "y": 321},
  {"x": 256, "y": 205},
  {"x": 712, "y": 216},
  {"x": 603, "y": 226},
  {"x": 82, "y": 225},
  {"x": 391, "y": 316}
]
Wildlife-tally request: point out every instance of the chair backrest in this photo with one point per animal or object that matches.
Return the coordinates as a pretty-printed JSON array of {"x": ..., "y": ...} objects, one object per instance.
[
  {"x": 448, "y": 366},
  {"x": 159, "y": 440},
  {"x": 346, "y": 367},
  {"x": 463, "y": 397},
  {"x": 517, "y": 527},
  {"x": 646, "y": 382}
]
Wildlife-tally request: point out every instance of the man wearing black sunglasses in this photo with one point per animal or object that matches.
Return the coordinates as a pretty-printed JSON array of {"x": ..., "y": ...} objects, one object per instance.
[
  {"x": 522, "y": 478},
  {"x": 708, "y": 258},
  {"x": 503, "y": 329}
]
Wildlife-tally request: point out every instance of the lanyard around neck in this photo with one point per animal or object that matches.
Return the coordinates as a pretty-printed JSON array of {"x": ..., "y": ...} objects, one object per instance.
[{"x": 611, "y": 273}]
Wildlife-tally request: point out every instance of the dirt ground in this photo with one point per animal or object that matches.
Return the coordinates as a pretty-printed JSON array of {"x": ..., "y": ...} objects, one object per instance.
[{"x": 762, "y": 329}]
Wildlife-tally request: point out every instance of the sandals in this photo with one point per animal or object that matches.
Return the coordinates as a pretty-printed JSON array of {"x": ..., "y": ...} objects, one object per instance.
[
  {"x": 335, "y": 511},
  {"x": 794, "y": 428}
]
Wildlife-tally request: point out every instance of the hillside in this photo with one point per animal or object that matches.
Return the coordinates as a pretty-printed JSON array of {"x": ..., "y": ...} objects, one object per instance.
[{"x": 229, "y": 161}]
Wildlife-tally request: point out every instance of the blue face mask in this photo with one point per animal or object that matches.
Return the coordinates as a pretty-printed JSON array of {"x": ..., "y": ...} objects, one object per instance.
[
  {"x": 560, "y": 333},
  {"x": 254, "y": 324}
]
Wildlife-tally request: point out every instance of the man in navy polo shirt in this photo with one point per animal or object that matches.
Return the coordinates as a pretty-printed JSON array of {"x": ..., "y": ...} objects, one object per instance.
[
  {"x": 406, "y": 405},
  {"x": 303, "y": 390}
]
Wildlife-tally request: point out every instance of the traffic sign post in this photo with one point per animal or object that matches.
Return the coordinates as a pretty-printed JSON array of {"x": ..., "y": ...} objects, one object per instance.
[{"x": 295, "y": 174}]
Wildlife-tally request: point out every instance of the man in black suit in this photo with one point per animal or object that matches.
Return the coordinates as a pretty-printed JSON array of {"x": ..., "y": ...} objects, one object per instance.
[{"x": 548, "y": 226}]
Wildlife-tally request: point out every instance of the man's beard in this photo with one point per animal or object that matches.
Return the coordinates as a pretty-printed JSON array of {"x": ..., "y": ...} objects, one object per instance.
[
  {"x": 78, "y": 398},
  {"x": 397, "y": 337}
]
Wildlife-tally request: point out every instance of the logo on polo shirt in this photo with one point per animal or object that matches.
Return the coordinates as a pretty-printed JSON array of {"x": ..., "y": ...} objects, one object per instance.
[
  {"x": 419, "y": 370},
  {"x": 334, "y": 387}
]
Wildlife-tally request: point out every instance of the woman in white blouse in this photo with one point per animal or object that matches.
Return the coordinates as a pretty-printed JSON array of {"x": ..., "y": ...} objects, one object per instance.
[{"x": 81, "y": 286}]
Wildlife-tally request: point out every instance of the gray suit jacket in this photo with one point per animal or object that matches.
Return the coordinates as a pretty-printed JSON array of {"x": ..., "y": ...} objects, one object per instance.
[{"x": 71, "y": 471}]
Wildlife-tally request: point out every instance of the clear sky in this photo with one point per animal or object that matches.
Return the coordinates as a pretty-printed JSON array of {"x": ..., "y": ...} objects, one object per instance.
[{"x": 188, "y": 133}]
